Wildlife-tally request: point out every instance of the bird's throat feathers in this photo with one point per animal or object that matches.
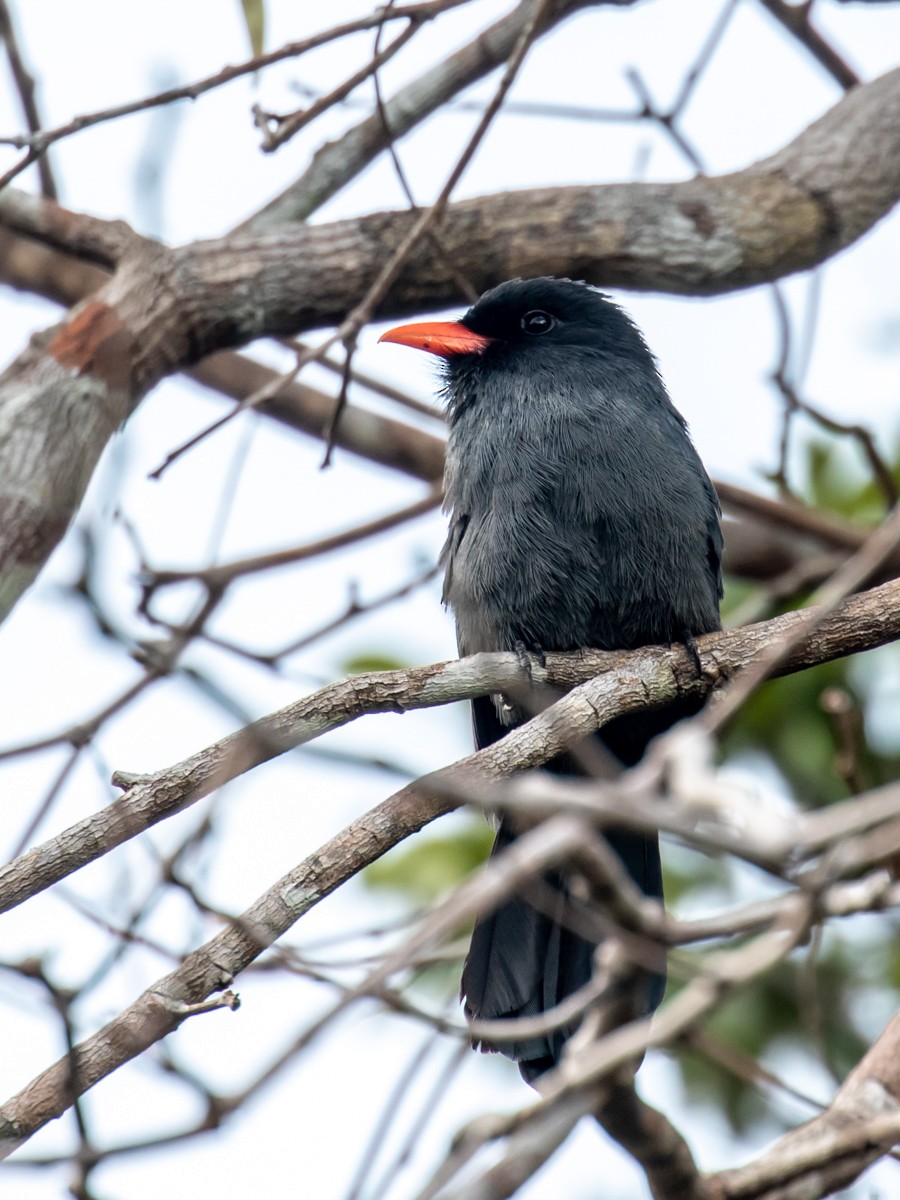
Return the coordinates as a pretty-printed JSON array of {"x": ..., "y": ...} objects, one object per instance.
[{"x": 535, "y": 393}]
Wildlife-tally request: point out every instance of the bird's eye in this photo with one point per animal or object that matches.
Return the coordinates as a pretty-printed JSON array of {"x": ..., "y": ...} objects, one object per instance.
[{"x": 537, "y": 322}]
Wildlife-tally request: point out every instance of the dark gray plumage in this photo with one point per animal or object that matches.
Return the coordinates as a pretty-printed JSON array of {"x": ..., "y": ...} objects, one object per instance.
[{"x": 580, "y": 515}]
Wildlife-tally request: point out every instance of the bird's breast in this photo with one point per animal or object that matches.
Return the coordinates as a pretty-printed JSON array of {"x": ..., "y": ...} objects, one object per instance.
[{"x": 569, "y": 533}]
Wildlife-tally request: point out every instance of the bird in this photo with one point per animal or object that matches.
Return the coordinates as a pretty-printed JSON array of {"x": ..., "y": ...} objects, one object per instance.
[{"x": 580, "y": 515}]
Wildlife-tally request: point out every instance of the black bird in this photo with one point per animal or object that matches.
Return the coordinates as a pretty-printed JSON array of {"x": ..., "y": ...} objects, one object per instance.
[{"x": 580, "y": 516}]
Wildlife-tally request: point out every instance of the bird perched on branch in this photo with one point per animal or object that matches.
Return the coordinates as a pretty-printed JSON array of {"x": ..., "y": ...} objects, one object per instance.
[{"x": 580, "y": 516}]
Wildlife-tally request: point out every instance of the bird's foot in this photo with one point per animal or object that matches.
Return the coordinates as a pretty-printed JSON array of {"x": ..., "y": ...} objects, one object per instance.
[
  {"x": 690, "y": 644},
  {"x": 529, "y": 655}
]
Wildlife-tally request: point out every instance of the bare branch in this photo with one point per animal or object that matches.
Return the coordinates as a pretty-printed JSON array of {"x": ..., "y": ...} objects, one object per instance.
[
  {"x": 278, "y": 129},
  {"x": 826, "y": 528},
  {"x": 145, "y": 311},
  {"x": 205, "y": 972},
  {"x": 92, "y": 239},
  {"x": 795, "y": 19},
  {"x": 25, "y": 87},
  {"x": 829, "y": 1152},
  {"x": 374, "y": 437},
  {"x": 218, "y": 577},
  {"x": 40, "y": 140},
  {"x": 656, "y": 1144},
  {"x": 633, "y": 680},
  {"x": 711, "y": 234},
  {"x": 588, "y": 1065},
  {"x": 337, "y": 162},
  {"x": 362, "y": 312}
]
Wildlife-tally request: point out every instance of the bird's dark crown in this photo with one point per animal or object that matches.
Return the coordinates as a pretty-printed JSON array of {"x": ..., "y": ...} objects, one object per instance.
[{"x": 579, "y": 316}]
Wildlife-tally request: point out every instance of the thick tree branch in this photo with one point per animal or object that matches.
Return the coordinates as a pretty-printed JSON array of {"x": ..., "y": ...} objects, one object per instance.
[
  {"x": 94, "y": 240},
  {"x": 703, "y": 236},
  {"x": 59, "y": 275},
  {"x": 758, "y": 546},
  {"x": 163, "y": 310},
  {"x": 774, "y": 539},
  {"x": 754, "y": 548},
  {"x": 656, "y": 1144}
]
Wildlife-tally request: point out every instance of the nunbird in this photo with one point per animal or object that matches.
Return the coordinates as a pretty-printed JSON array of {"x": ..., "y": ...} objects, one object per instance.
[{"x": 580, "y": 516}]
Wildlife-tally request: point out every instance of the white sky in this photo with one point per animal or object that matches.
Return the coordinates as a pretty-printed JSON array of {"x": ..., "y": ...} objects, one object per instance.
[{"x": 715, "y": 356}]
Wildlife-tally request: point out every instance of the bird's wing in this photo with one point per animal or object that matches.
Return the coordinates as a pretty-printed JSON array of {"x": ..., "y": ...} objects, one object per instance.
[{"x": 715, "y": 543}]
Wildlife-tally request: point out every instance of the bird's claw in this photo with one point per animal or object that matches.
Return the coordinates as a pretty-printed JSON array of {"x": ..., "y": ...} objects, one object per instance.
[
  {"x": 528, "y": 656},
  {"x": 690, "y": 644}
]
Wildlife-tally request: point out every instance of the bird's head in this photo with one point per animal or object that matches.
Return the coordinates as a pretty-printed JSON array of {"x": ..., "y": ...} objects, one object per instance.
[{"x": 537, "y": 321}]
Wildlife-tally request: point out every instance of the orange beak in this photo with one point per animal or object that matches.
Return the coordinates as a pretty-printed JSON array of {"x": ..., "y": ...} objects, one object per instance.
[{"x": 445, "y": 338}]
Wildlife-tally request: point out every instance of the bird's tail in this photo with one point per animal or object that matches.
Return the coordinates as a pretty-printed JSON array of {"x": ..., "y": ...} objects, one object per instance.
[
  {"x": 527, "y": 955},
  {"x": 537, "y": 948}
]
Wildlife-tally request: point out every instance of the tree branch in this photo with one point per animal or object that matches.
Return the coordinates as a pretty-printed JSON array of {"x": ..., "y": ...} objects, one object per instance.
[
  {"x": 830, "y": 1151},
  {"x": 39, "y": 140},
  {"x": 655, "y": 1143},
  {"x": 652, "y": 677},
  {"x": 795, "y": 19},
  {"x": 93, "y": 239},
  {"x": 163, "y": 310},
  {"x": 336, "y": 163},
  {"x": 632, "y": 680},
  {"x": 25, "y": 87},
  {"x": 774, "y": 538}
]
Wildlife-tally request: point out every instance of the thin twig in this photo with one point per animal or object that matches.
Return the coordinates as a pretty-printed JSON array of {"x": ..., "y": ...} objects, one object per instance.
[
  {"x": 337, "y": 162},
  {"x": 370, "y": 382},
  {"x": 278, "y": 129},
  {"x": 39, "y": 141},
  {"x": 25, "y": 86},
  {"x": 354, "y": 608},
  {"x": 432, "y": 216},
  {"x": 795, "y": 18},
  {"x": 217, "y": 578}
]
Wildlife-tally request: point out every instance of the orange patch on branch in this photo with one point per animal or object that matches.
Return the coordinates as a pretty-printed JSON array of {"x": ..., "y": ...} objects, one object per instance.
[{"x": 95, "y": 342}]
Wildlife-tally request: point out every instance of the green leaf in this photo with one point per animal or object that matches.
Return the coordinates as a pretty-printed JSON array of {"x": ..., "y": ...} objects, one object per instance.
[
  {"x": 360, "y": 664},
  {"x": 255, "y": 20},
  {"x": 839, "y": 479},
  {"x": 686, "y": 872},
  {"x": 431, "y": 866}
]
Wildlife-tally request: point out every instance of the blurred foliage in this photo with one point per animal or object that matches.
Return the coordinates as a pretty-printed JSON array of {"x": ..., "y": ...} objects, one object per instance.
[
  {"x": 360, "y": 664},
  {"x": 806, "y": 998},
  {"x": 687, "y": 872},
  {"x": 809, "y": 1002},
  {"x": 255, "y": 19},
  {"x": 426, "y": 869},
  {"x": 835, "y": 480},
  {"x": 429, "y": 866},
  {"x": 785, "y": 720}
]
